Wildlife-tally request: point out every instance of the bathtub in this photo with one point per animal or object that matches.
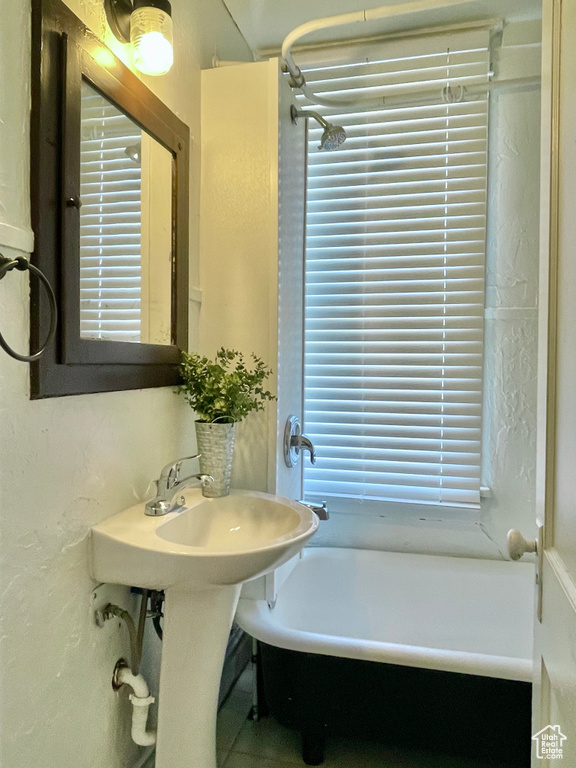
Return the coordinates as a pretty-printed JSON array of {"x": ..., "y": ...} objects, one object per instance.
[{"x": 433, "y": 651}]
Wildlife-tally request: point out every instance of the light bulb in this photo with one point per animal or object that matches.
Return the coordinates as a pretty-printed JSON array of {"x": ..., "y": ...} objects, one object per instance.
[{"x": 151, "y": 39}]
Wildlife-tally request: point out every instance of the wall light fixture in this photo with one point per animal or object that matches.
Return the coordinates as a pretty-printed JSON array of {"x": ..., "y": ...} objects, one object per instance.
[{"x": 147, "y": 26}]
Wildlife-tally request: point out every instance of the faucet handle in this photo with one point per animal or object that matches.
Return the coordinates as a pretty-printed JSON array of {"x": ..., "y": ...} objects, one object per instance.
[{"x": 171, "y": 472}]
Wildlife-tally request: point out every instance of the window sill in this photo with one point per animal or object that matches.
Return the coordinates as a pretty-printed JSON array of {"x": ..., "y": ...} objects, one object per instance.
[
  {"x": 402, "y": 512},
  {"x": 453, "y": 537}
]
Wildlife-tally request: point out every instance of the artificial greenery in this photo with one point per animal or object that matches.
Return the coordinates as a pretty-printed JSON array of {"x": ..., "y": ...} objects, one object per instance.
[{"x": 224, "y": 390}]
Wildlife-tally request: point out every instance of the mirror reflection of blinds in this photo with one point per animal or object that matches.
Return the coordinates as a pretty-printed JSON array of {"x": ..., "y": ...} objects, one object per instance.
[
  {"x": 110, "y": 222},
  {"x": 395, "y": 246}
]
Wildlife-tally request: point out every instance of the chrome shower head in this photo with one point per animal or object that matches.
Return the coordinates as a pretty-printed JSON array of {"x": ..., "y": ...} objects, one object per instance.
[{"x": 333, "y": 136}]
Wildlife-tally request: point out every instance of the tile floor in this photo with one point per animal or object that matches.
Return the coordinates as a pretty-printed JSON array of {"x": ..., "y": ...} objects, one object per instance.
[{"x": 243, "y": 743}]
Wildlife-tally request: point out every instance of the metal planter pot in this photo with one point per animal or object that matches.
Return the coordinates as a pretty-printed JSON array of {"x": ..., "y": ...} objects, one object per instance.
[{"x": 216, "y": 449}]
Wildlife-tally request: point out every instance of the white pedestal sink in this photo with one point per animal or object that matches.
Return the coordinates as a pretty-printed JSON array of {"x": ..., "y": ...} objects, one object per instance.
[{"x": 199, "y": 555}]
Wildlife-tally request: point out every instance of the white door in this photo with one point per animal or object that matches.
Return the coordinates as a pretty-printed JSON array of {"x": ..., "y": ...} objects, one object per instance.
[{"x": 555, "y": 689}]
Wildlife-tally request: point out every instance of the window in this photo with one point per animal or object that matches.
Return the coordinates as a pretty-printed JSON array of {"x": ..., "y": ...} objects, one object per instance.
[{"x": 395, "y": 247}]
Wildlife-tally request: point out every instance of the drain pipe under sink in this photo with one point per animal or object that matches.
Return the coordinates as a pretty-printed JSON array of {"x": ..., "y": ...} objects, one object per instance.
[{"x": 140, "y": 699}]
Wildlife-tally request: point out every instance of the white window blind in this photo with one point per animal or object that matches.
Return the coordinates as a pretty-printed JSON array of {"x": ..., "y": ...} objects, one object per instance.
[
  {"x": 110, "y": 221},
  {"x": 394, "y": 279}
]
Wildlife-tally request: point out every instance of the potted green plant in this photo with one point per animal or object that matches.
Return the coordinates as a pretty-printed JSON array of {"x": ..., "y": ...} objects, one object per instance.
[{"x": 221, "y": 392}]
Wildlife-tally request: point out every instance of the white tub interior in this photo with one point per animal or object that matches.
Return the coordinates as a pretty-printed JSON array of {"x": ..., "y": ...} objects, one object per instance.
[{"x": 449, "y": 613}]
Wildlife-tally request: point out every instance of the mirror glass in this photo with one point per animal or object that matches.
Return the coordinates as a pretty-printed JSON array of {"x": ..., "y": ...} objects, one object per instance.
[{"x": 126, "y": 253}]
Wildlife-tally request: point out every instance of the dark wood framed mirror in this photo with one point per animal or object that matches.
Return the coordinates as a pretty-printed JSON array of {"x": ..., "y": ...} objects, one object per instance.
[{"x": 109, "y": 183}]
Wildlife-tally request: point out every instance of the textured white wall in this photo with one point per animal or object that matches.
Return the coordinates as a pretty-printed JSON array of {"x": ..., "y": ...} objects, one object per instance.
[
  {"x": 509, "y": 439},
  {"x": 252, "y": 238},
  {"x": 67, "y": 463},
  {"x": 239, "y": 235}
]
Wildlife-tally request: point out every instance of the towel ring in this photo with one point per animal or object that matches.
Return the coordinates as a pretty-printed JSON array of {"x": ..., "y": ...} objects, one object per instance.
[{"x": 22, "y": 264}]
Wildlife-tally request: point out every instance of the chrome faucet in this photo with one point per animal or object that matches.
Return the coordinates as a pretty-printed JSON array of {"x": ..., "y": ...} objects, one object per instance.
[
  {"x": 168, "y": 485},
  {"x": 318, "y": 507}
]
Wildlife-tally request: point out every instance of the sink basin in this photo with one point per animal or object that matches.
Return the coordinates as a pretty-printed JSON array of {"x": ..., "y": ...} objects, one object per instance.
[
  {"x": 200, "y": 555},
  {"x": 207, "y": 542}
]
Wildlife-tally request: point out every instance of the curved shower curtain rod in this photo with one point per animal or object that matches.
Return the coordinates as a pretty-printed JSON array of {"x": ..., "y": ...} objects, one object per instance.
[{"x": 447, "y": 95}]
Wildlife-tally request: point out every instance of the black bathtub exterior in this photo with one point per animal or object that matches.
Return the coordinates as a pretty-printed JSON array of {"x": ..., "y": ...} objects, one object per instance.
[{"x": 480, "y": 718}]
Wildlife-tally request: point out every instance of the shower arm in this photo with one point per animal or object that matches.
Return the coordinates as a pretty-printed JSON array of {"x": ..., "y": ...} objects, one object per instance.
[
  {"x": 295, "y": 112},
  {"x": 297, "y": 79}
]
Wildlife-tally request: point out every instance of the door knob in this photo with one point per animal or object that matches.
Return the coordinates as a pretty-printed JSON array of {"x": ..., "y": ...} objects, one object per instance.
[{"x": 518, "y": 545}]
